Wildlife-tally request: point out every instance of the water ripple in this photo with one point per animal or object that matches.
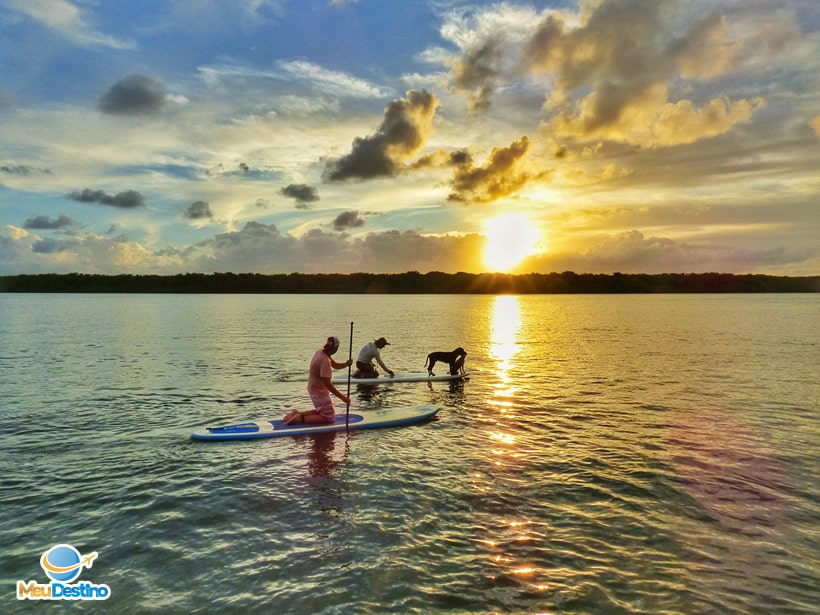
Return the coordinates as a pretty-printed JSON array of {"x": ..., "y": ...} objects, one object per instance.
[{"x": 609, "y": 455}]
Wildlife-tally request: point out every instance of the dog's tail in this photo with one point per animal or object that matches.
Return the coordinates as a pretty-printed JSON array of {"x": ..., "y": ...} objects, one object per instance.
[{"x": 427, "y": 360}]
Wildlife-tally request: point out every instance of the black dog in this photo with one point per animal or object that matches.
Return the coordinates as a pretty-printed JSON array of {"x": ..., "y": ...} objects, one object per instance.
[{"x": 454, "y": 359}]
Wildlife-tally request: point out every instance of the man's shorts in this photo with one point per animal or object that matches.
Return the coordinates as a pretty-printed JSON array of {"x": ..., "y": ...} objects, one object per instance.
[
  {"x": 366, "y": 369},
  {"x": 324, "y": 406}
]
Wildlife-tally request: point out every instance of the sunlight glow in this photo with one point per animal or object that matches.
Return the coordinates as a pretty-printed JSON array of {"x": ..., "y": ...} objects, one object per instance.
[
  {"x": 506, "y": 322},
  {"x": 502, "y": 437},
  {"x": 505, "y": 326},
  {"x": 510, "y": 238}
]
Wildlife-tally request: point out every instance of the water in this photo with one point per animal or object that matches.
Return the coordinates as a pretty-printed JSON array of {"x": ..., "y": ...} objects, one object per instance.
[{"x": 610, "y": 454}]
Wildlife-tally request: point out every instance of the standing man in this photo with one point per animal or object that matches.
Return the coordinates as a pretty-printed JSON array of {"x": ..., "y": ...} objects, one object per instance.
[
  {"x": 364, "y": 363},
  {"x": 320, "y": 386}
]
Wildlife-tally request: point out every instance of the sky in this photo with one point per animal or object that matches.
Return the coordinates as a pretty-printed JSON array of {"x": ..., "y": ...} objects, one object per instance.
[{"x": 342, "y": 136}]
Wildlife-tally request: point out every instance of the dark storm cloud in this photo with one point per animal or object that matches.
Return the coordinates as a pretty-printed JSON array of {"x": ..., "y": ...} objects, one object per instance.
[
  {"x": 301, "y": 193},
  {"x": 133, "y": 95},
  {"x": 199, "y": 210},
  {"x": 407, "y": 124},
  {"x": 130, "y": 199},
  {"x": 45, "y": 223},
  {"x": 348, "y": 219}
]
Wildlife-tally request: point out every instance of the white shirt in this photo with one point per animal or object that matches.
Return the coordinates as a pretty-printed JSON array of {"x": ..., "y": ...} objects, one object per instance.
[{"x": 370, "y": 352}]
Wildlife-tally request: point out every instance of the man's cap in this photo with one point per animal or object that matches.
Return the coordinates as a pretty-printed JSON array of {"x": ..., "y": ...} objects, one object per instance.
[
  {"x": 382, "y": 341},
  {"x": 332, "y": 342}
]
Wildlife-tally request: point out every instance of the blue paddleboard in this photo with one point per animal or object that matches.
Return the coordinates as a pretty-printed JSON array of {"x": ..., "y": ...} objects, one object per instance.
[{"x": 371, "y": 419}]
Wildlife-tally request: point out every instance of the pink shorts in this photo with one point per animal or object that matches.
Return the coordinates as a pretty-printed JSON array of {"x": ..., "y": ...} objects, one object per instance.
[{"x": 324, "y": 406}]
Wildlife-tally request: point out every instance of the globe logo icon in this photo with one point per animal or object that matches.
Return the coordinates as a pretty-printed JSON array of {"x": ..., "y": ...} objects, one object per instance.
[{"x": 62, "y": 563}]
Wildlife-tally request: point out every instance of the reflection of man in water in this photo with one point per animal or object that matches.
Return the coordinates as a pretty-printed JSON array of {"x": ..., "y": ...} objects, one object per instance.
[
  {"x": 330, "y": 497},
  {"x": 320, "y": 461},
  {"x": 369, "y": 353}
]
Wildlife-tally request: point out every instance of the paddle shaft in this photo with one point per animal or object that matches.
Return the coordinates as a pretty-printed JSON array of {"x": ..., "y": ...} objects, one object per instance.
[{"x": 349, "y": 358}]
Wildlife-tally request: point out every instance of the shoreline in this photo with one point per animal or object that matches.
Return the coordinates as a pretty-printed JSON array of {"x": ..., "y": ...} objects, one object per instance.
[{"x": 411, "y": 282}]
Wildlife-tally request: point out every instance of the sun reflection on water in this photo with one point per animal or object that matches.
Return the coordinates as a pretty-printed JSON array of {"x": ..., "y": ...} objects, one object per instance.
[
  {"x": 509, "y": 546},
  {"x": 506, "y": 323},
  {"x": 505, "y": 326}
]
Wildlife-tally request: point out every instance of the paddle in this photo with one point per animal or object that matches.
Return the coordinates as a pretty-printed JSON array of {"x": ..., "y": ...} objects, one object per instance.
[{"x": 349, "y": 358}]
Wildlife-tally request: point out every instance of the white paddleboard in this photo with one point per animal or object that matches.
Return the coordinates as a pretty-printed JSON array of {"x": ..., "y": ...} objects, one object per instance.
[
  {"x": 370, "y": 419},
  {"x": 409, "y": 377}
]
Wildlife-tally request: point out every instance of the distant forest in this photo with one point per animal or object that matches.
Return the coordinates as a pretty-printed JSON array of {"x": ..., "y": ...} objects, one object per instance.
[{"x": 410, "y": 282}]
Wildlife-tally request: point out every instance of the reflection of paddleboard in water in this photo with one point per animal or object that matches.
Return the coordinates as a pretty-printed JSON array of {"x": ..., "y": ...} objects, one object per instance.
[
  {"x": 251, "y": 430},
  {"x": 409, "y": 377}
]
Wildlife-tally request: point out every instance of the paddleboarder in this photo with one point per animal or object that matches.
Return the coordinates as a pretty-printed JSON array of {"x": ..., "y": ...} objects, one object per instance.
[
  {"x": 370, "y": 352},
  {"x": 320, "y": 386}
]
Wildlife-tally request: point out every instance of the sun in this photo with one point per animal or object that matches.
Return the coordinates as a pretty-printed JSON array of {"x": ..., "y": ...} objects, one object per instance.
[{"x": 509, "y": 239}]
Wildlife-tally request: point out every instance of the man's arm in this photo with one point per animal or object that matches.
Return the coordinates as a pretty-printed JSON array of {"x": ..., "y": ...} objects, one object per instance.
[
  {"x": 380, "y": 362},
  {"x": 332, "y": 388}
]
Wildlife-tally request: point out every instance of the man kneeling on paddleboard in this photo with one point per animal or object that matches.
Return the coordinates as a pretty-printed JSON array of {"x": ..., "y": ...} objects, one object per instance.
[
  {"x": 364, "y": 362},
  {"x": 320, "y": 386}
]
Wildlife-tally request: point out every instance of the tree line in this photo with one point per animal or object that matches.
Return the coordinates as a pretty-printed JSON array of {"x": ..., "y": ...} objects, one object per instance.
[{"x": 413, "y": 282}]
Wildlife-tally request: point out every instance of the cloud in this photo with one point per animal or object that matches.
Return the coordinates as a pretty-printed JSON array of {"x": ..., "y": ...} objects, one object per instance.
[
  {"x": 477, "y": 73},
  {"x": 397, "y": 252},
  {"x": 406, "y": 126},
  {"x": 348, "y": 219},
  {"x": 21, "y": 170},
  {"x": 619, "y": 70},
  {"x": 301, "y": 193},
  {"x": 130, "y": 199},
  {"x": 199, "y": 210},
  {"x": 646, "y": 118},
  {"x": 443, "y": 159},
  {"x": 633, "y": 252},
  {"x": 616, "y": 71},
  {"x": 63, "y": 221},
  {"x": 242, "y": 169},
  {"x": 134, "y": 95},
  {"x": 49, "y": 246},
  {"x": 67, "y": 20},
  {"x": 327, "y": 82},
  {"x": 504, "y": 173},
  {"x": 265, "y": 249},
  {"x": 488, "y": 39},
  {"x": 91, "y": 253},
  {"x": 262, "y": 12}
]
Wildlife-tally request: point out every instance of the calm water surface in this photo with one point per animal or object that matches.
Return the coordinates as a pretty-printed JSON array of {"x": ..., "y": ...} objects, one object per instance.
[{"x": 610, "y": 454}]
